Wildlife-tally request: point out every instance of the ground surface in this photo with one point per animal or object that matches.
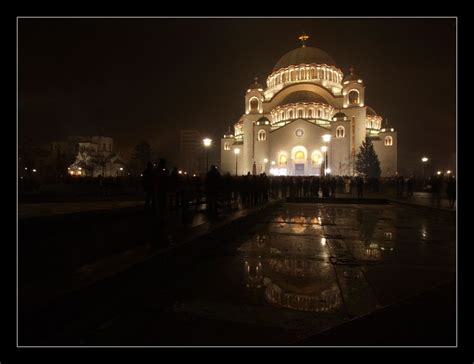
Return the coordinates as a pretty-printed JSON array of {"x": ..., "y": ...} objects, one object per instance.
[{"x": 287, "y": 275}]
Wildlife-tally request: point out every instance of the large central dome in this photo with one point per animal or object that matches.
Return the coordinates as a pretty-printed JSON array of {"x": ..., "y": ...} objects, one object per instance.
[{"x": 304, "y": 55}]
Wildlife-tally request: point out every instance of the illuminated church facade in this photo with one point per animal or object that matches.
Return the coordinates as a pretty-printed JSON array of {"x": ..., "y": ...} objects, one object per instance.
[{"x": 310, "y": 119}]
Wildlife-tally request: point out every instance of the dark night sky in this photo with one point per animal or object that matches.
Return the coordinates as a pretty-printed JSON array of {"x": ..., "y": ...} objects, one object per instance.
[{"x": 147, "y": 78}]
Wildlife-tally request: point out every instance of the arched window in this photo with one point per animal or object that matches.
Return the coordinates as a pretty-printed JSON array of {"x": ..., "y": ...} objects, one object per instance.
[
  {"x": 353, "y": 97},
  {"x": 299, "y": 155},
  {"x": 317, "y": 158},
  {"x": 290, "y": 114},
  {"x": 302, "y": 74},
  {"x": 253, "y": 104},
  {"x": 226, "y": 146},
  {"x": 388, "y": 141},
  {"x": 281, "y": 115},
  {"x": 300, "y": 113},
  {"x": 313, "y": 73},
  {"x": 319, "y": 113},
  {"x": 262, "y": 135},
  {"x": 282, "y": 160},
  {"x": 340, "y": 132},
  {"x": 311, "y": 114}
]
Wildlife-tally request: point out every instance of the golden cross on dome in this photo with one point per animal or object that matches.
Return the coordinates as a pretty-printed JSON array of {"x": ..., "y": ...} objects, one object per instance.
[
  {"x": 303, "y": 38},
  {"x": 351, "y": 68},
  {"x": 255, "y": 79}
]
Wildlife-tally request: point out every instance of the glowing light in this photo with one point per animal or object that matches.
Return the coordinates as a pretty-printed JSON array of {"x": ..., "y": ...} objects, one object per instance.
[
  {"x": 273, "y": 163},
  {"x": 448, "y": 172},
  {"x": 438, "y": 173},
  {"x": 79, "y": 172},
  {"x": 207, "y": 142},
  {"x": 121, "y": 168},
  {"x": 265, "y": 160},
  {"x": 26, "y": 168},
  {"x": 323, "y": 241},
  {"x": 328, "y": 170},
  {"x": 324, "y": 149},
  {"x": 236, "y": 151},
  {"x": 391, "y": 129},
  {"x": 194, "y": 174},
  {"x": 80, "y": 168},
  {"x": 360, "y": 81},
  {"x": 424, "y": 159},
  {"x": 327, "y": 138},
  {"x": 180, "y": 171}
]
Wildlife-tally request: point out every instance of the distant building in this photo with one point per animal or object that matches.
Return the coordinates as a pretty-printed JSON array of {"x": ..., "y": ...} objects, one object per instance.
[
  {"x": 96, "y": 156},
  {"x": 306, "y": 97}
]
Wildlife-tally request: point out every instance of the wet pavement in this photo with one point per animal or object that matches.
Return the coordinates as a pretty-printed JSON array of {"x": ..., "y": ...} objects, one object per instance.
[{"x": 291, "y": 272}]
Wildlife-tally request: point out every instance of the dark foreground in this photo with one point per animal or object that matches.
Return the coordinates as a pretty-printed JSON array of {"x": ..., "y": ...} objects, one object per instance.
[{"x": 292, "y": 274}]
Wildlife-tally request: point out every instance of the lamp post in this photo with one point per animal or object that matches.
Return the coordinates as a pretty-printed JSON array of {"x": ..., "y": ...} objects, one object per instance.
[
  {"x": 326, "y": 139},
  {"x": 236, "y": 152},
  {"x": 424, "y": 160},
  {"x": 324, "y": 149},
  {"x": 207, "y": 143},
  {"x": 265, "y": 161}
]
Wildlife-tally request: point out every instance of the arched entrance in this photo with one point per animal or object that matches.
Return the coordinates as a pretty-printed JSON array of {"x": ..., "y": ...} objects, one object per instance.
[{"x": 299, "y": 156}]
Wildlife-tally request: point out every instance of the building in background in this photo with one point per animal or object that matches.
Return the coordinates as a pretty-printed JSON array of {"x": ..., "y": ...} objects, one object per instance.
[
  {"x": 96, "y": 156},
  {"x": 306, "y": 96},
  {"x": 190, "y": 150}
]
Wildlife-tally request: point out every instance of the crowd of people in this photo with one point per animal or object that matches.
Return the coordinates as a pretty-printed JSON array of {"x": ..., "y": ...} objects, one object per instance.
[{"x": 171, "y": 190}]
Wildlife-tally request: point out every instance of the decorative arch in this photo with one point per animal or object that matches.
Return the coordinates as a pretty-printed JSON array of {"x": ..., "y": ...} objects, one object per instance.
[
  {"x": 254, "y": 103},
  {"x": 262, "y": 135},
  {"x": 316, "y": 158},
  {"x": 282, "y": 159},
  {"x": 353, "y": 97},
  {"x": 388, "y": 141},
  {"x": 226, "y": 146},
  {"x": 340, "y": 132},
  {"x": 299, "y": 153}
]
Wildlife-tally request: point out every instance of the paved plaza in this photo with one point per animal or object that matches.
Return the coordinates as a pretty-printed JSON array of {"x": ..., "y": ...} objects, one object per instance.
[{"x": 289, "y": 273}]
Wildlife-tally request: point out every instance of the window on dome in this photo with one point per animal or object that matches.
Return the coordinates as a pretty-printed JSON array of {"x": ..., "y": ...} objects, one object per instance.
[
  {"x": 340, "y": 132},
  {"x": 319, "y": 113},
  {"x": 262, "y": 135},
  {"x": 282, "y": 160},
  {"x": 388, "y": 141},
  {"x": 353, "y": 97},
  {"x": 300, "y": 113},
  {"x": 311, "y": 114},
  {"x": 313, "y": 73},
  {"x": 253, "y": 104},
  {"x": 290, "y": 114}
]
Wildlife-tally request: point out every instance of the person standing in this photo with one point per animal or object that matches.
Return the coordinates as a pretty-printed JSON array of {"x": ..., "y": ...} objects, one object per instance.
[
  {"x": 147, "y": 183},
  {"x": 451, "y": 191}
]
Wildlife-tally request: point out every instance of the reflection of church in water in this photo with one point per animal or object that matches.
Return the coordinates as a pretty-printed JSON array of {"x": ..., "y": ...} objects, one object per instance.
[
  {"x": 306, "y": 96},
  {"x": 296, "y": 283}
]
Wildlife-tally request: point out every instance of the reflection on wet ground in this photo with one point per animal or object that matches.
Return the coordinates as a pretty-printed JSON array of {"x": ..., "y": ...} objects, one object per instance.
[{"x": 305, "y": 268}]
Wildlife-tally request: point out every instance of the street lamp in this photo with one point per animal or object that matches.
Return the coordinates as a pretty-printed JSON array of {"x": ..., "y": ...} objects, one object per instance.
[
  {"x": 326, "y": 139},
  {"x": 424, "y": 160},
  {"x": 207, "y": 143},
  {"x": 265, "y": 161},
  {"x": 448, "y": 172},
  {"x": 236, "y": 152},
  {"x": 324, "y": 149}
]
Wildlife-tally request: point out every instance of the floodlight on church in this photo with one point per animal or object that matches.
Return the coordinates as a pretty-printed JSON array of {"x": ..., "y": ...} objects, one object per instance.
[
  {"x": 324, "y": 149},
  {"x": 207, "y": 142},
  {"x": 236, "y": 151},
  {"x": 327, "y": 138}
]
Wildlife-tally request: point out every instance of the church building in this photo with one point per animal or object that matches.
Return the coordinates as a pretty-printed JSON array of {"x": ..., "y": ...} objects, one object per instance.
[{"x": 310, "y": 119}]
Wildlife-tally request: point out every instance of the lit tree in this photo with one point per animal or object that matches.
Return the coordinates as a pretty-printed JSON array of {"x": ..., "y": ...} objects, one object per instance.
[{"x": 367, "y": 161}]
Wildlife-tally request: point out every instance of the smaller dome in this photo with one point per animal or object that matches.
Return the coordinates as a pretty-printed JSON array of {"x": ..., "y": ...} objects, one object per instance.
[
  {"x": 352, "y": 76},
  {"x": 340, "y": 115},
  {"x": 303, "y": 96},
  {"x": 370, "y": 112},
  {"x": 255, "y": 85},
  {"x": 263, "y": 119}
]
